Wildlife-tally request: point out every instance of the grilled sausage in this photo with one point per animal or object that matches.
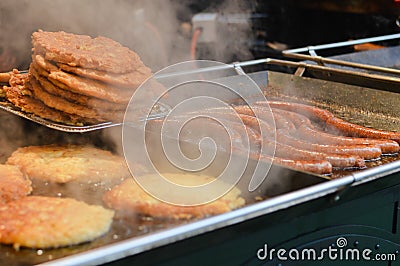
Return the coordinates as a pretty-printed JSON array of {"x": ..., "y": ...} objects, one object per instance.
[
  {"x": 337, "y": 160},
  {"x": 306, "y": 131},
  {"x": 321, "y": 167},
  {"x": 360, "y": 131},
  {"x": 307, "y": 110},
  {"x": 367, "y": 152},
  {"x": 258, "y": 124},
  {"x": 279, "y": 123},
  {"x": 320, "y": 137},
  {"x": 297, "y": 119},
  {"x": 315, "y": 166},
  {"x": 346, "y": 128},
  {"x": 290, "y": 152}
]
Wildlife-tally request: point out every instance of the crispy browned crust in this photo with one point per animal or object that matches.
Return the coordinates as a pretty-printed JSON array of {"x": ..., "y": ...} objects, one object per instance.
[
  {"x": 61, "y": 103},
  {"x": 129, "y": 198},
  {"x": 66, "y": 106},
  {"x": 90, "y": 87},
  {"x": 83, "y": 86},
  {"x": 13, "y": 184},
  {"x": 83, "y": 51},
  {"x": 62, "y": 164},
  {"x": 40, "y": 75},
  {"x": 20, "y": 95},
  {"x": 127, "y": 80},
  {"x": 43, "y": 64},
  {"x": 46, "y": 222},
  {"x": 90, "y": 97}
]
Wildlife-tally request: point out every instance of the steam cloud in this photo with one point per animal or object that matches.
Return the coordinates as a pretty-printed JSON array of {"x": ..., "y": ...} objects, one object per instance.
[
  {"x": 151, "y": 28},
  {"x": 148, "y": 27}
]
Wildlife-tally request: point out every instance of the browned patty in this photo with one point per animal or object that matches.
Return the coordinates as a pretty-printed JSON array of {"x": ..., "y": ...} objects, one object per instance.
[
  {"x": 13, "y": 184},
  {"x": 61, "y": 103},
  {"x": 127, "y": 80},
  {"x": 44, "y": 64},
  {"x": 20, "y": 95},
  {"x": 66, "y": 106},
  {"x": 129, "y": 198},
  {"x": 90, "y": 87},
  {"x": 47, "y": 222},
  {"x": 84, "y": 86},
  {"x": 83, "y": 51},
  {"x": 40, "y": 75},
  {"x": 62, "y": 164}
]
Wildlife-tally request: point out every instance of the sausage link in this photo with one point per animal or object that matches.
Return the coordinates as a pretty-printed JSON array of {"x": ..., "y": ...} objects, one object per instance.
[
  {"x": 315, "y": 166},
  {"x": 290, "y": 152},
  {"x": 264, "y": 114},
  {"x": 366, "y": 151},
  {"x": 283, "y": 123},
  {"x": 279, "y": 123},
  {"x": 258, "y": 124},
  {"x": 321, "y": 167},
  {"x": 297, "y": 119},
  {"x": 307, "y": 110},
  {"x": 243, "y": 109},
  {"x": 360, "y": 131},
  {"x": 306, "y": 131},
  {"x": 387, "y": 146},
  {"x": 345, "y": 127},
  {"x": 337, "y": 160}
]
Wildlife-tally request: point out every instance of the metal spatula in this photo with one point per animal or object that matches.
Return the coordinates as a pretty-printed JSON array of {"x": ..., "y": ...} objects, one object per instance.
[{"x": 159, "y": 110}]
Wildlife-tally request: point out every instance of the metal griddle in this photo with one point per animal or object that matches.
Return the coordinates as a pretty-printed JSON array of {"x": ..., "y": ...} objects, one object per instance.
[{"x": 370, "y": 107}]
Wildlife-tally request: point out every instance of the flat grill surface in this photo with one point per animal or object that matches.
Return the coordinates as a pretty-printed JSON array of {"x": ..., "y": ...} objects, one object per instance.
[
  {"x": 364, "y": 106},
  {"x": 360, "y": 105}
]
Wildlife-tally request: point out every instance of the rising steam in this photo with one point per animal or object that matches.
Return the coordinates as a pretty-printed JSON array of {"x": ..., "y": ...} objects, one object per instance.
[{"x": 151, "y": 28}]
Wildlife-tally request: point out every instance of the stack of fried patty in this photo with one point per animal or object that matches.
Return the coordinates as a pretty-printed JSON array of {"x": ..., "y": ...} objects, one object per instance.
[{"x": 76, "y": 79}]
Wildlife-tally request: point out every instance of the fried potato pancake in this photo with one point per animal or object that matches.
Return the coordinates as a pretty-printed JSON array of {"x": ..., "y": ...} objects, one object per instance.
[
  {"x": 127, "y": 80},
  {"x": 83, "y": 51},
  {"x": 66, "y": 106},
  {"x": 62, "y": 164},
  {"x": 47, "y": 222},
  {"x": 44, "y": 64},
  {"x": 90, "y": 87},
  {"x": 129, "y": 198},
  {"x": 85, "y": 86},
  {"x": 20, "y": 95},
  {"x": 40, "y": 75},
  {"x": 78, "y": 80},
  {"x": 61, "y": 103},
  {"x": 13, "y": 184}
]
